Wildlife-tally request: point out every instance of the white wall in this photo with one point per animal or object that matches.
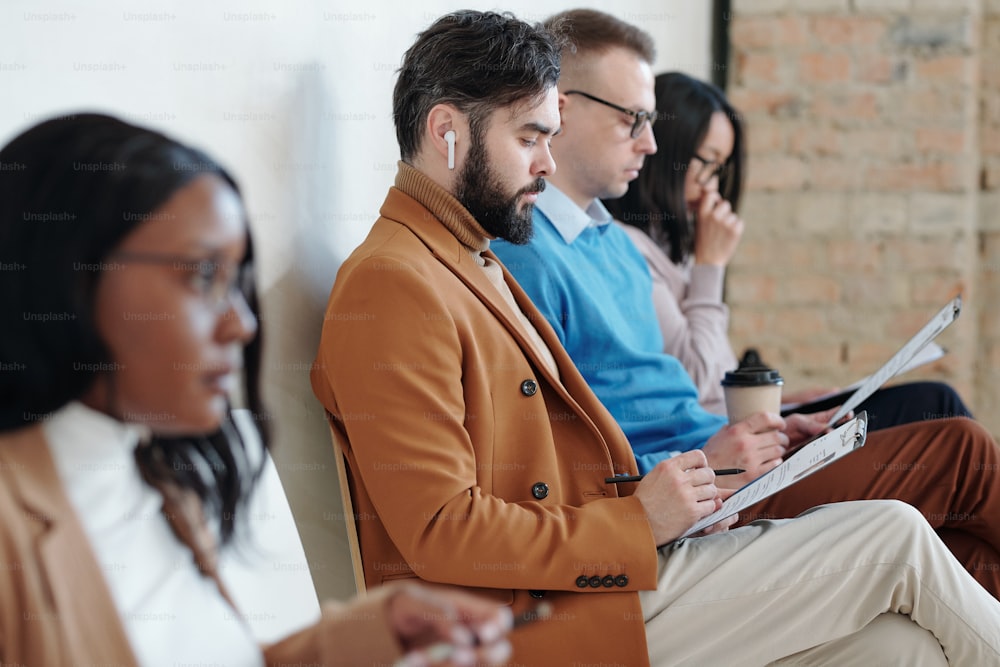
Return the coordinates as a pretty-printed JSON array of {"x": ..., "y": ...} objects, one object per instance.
[{"x": 295, "y": 98}]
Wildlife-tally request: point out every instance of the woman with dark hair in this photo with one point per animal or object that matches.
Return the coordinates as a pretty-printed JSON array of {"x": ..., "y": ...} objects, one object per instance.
[
  {"x": 681, "y": 213},
  {"x": 129, "y": 317}
]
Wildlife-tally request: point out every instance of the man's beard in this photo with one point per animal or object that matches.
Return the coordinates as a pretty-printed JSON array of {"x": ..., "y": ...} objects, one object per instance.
[{"x": 481, "y": 192}]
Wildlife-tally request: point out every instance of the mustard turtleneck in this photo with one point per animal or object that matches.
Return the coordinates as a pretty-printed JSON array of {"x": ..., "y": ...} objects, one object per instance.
[{"x": 457, "y": 219}]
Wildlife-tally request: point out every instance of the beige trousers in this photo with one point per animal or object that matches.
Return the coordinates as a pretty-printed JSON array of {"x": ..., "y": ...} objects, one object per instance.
[{"x": 857, "y": 583}]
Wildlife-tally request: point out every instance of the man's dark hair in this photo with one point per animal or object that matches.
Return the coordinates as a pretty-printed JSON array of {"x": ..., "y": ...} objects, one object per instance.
[
  {"x": 587, "y": 31},
  {"x": 476, "y": 61}
]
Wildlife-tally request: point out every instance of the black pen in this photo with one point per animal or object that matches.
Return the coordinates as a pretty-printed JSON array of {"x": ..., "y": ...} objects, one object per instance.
[{"x": 621, "y": 479}]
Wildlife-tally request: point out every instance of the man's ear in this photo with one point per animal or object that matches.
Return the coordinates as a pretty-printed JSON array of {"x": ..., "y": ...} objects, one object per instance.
[{"x": 445, "y": 129}]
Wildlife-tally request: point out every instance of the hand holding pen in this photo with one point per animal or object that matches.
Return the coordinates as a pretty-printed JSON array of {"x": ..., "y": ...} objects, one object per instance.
[{"x": 677, "y": 493}]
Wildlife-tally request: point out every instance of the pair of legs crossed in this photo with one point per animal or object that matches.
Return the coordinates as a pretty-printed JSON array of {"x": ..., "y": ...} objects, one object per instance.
[
  {"x": 852, "y": 583},
  {"x": 949, "y": 469}
]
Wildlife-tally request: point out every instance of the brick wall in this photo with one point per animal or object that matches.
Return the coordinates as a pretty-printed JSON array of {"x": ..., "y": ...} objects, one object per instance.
[
  {"x": 988, "y": 274},
  {"x": 874, "y": 185}
]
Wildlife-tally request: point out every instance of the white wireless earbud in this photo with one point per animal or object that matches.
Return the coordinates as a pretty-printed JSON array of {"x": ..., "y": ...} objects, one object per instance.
[{"x": 449, "y": 136}]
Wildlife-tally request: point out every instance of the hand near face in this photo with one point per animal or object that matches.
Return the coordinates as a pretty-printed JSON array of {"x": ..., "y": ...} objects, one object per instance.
[
  {"x": 717, "y": 230},
  {"x": 677, "y": 493},
  {"x": 756, "y": 444},
  {"x": 436, "y": 626}
]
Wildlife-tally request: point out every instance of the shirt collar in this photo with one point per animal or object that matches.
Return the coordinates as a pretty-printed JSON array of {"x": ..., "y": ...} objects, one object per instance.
[
  {"x": 568, "y": 218},
  {"x": 84, "y": 441}
]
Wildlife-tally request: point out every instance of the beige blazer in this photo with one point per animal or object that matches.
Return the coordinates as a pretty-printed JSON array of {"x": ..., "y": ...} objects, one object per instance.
[
  {"x": 471, "y": 463},
  {"x": 56, "y": 609}
]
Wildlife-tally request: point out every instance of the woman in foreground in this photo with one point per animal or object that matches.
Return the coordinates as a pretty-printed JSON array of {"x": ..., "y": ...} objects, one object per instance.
[{"x": 130, "y": 321}]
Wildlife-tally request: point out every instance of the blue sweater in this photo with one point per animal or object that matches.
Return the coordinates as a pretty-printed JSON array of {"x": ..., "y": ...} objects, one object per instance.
[{"x": 597, "y": 294}]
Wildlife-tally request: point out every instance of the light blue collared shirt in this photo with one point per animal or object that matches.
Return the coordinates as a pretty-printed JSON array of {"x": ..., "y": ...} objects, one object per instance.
[
  {"x": 568, "y": 218},
  {"x": 591, "y": 283}
]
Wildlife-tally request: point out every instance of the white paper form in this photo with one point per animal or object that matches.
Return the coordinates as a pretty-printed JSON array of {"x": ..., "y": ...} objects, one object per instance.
[
  {"x": 930, "y": 353},
  {"x": 813, "y": 456},
  {"x": 898, "y": 362}
]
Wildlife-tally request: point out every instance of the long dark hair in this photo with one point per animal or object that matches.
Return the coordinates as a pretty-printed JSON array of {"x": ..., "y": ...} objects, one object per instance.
[
  {"x": 655, "y": 200},
  {"x": 71, "y": 189}
]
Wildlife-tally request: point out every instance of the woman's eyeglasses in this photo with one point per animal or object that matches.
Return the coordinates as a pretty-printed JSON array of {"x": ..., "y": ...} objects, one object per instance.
[
  {"x": 215, "y": 280},
  {"x": 639, "y": 118},
  {"x": 710, "y": 169}
]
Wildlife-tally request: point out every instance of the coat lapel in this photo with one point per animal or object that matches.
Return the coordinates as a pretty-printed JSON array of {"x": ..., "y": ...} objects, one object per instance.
[
  {"x": 82, "y": 610},
  {"x": 574, "y": 387},
  {"x": 403, "y": 209}
]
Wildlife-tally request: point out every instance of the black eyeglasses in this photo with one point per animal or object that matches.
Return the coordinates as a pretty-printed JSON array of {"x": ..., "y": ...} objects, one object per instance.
[
  {"x": 639, "y": 118},
  {"x": 215, "y": 280},
  {"x": 709, "y": 169}
]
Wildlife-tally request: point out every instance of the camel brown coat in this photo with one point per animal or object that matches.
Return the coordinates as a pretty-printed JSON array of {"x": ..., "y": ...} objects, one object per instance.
[{"x": 471, "y": 463}]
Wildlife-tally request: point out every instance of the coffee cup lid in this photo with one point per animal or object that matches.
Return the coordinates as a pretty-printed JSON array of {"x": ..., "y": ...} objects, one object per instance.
[
  {"x": 751, "y": 378},
  {"x": 752, "y": 372}
]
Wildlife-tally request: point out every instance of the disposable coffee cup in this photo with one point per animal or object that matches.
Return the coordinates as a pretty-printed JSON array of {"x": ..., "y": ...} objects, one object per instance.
[{"x": 751, "y": 389}]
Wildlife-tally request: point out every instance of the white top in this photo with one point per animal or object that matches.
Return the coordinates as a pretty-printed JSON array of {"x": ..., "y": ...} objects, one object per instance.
[
  {"x": 267, "y": 574},
  {"x": 172, "y": 614}
]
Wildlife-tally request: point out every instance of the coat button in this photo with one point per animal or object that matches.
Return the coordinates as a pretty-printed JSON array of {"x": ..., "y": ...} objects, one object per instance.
[
  {"x": 538, "y": 595},
  {"x": 529, "y": 387},
  {"x": 608, "y": 581},
  {"x": 595, "y": 582},
  {"x": 621, "y": 580},
  {"x": 582, "y": 582},
  {"x": 540, "y": 490}
]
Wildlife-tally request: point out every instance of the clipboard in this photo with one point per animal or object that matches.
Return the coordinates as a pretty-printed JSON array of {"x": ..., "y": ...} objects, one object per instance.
[
  {"x": 930, "y": 353},
  {"x": 815, "y": 455},
  {"x": 901, "y": 359}
]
